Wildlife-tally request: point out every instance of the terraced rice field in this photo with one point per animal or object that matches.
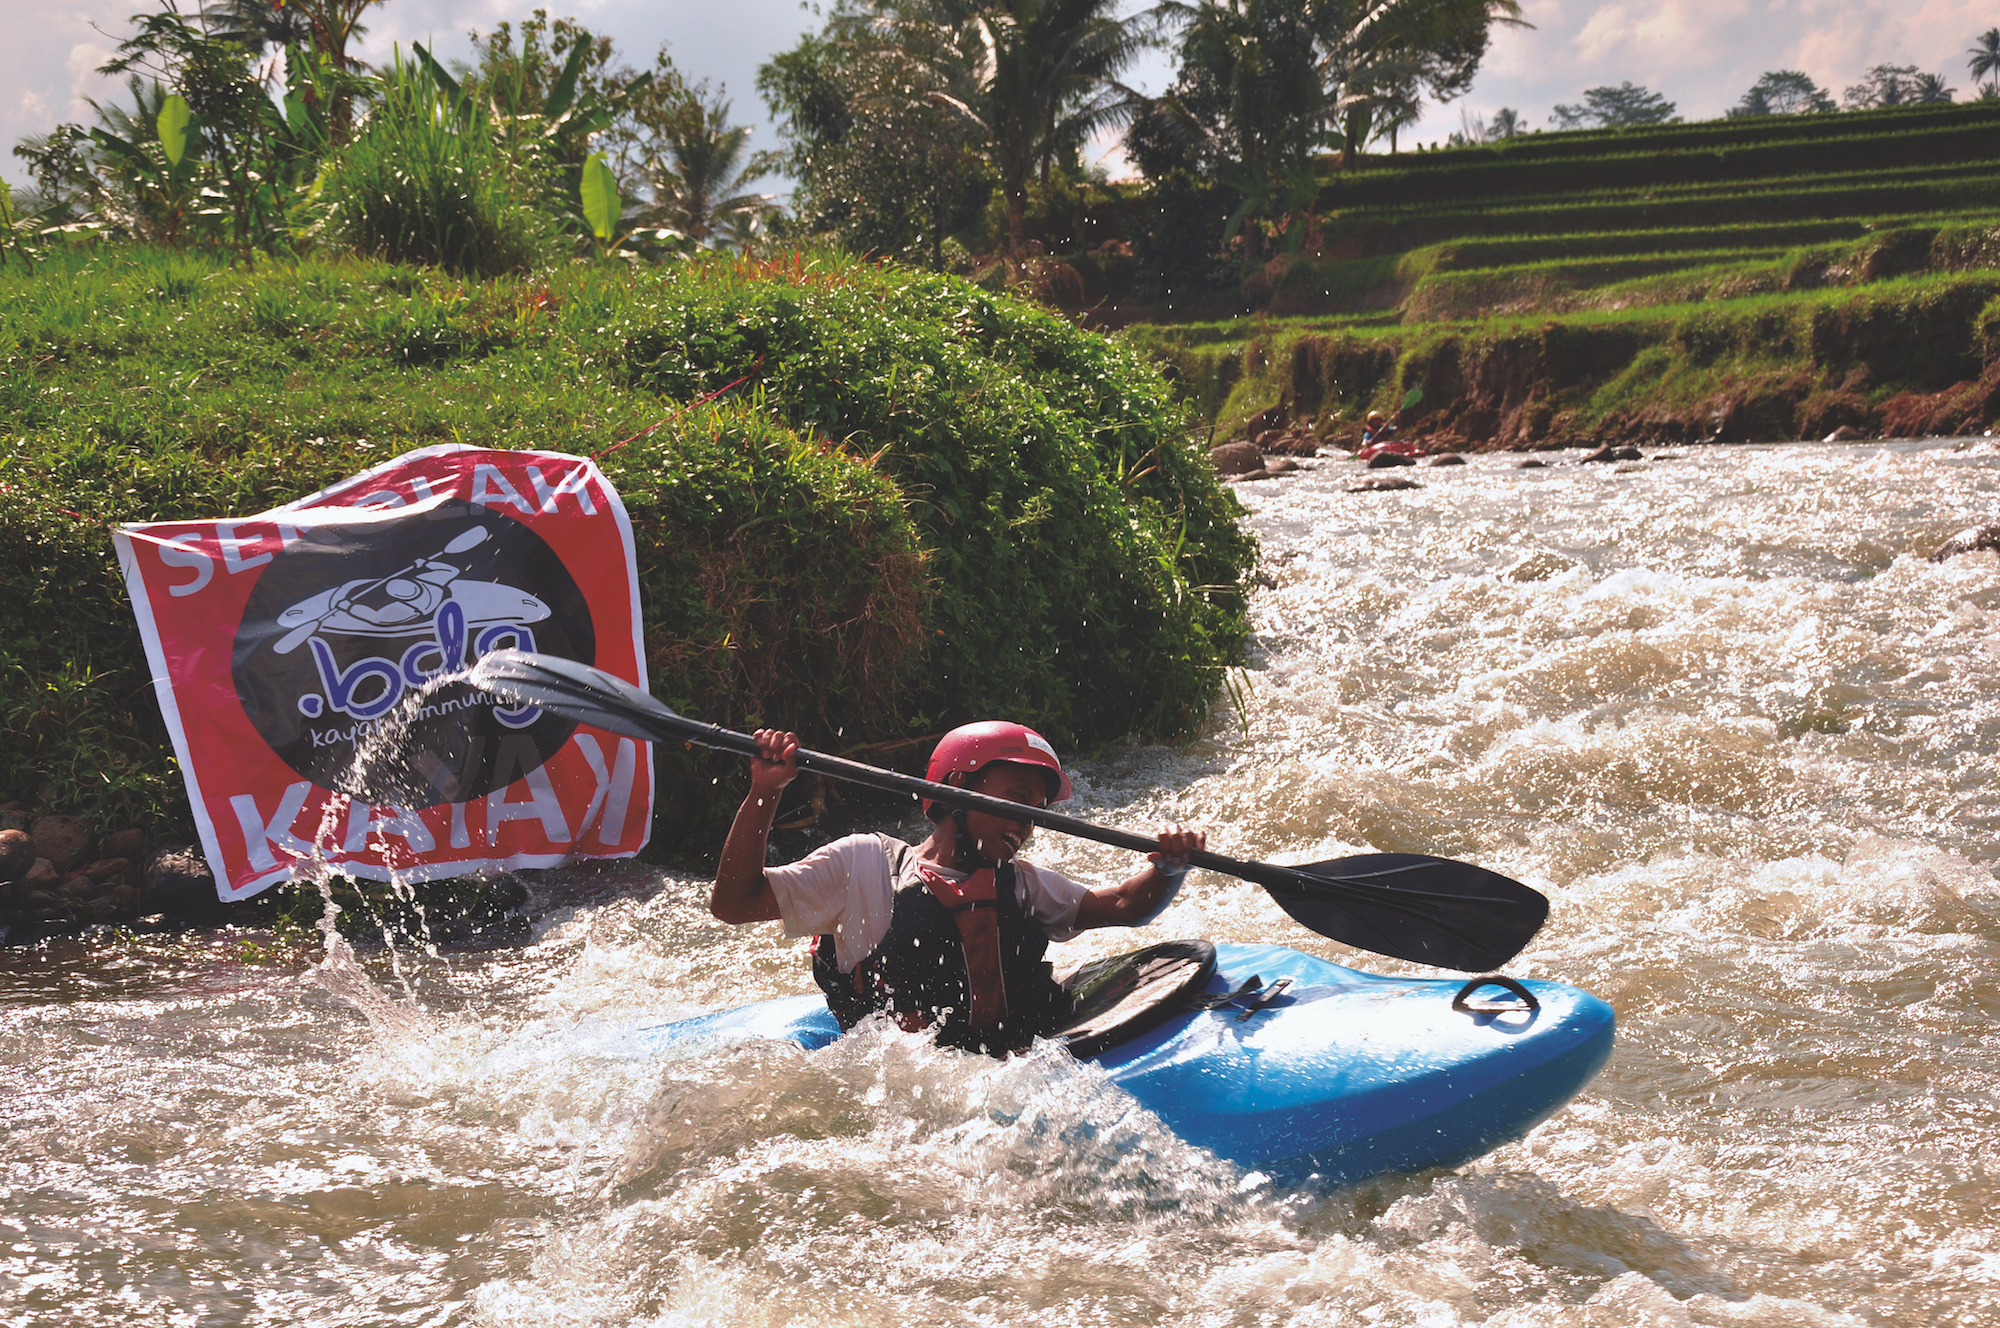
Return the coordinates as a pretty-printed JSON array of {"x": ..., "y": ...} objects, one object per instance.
[{"x": 1773, "y": 239}]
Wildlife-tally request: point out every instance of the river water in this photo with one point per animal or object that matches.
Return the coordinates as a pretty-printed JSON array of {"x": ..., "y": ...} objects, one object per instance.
[{"x": 1718, "y": 706}]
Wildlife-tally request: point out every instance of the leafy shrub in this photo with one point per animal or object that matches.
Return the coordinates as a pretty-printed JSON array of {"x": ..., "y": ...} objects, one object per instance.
[
  {"x": 928, "y": 503},
  {"x": 427, "y": 181},
  {"x": 1090, "y": 566}
]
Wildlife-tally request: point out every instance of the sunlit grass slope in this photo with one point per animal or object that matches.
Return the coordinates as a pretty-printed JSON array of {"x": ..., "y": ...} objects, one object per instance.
[{"x": 925, "y": 502}]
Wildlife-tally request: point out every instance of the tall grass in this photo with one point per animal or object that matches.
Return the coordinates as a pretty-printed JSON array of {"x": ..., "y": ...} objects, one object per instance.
[{"x": 427, "y": 181}]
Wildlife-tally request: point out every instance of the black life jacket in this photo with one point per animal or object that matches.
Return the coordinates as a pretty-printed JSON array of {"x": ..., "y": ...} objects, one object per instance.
[{"x": 918, "y": 971}]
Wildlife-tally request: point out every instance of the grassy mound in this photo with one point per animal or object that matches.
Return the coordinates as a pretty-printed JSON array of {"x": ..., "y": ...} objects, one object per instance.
[{"x": 925, "y": 503}]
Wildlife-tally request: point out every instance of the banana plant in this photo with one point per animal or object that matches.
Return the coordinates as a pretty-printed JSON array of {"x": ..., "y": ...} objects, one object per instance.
[
  {"x": 560, "y": 128},
  {"x": 603, "y": 204},
  {"x": 162, "y": 173}
]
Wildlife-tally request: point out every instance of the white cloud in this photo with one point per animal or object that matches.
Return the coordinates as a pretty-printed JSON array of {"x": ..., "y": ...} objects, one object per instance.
[
  {"x": 1703, "y": 54},
  {"x": 1607, "y": 32},
  {"x": 85, "y": 58}
]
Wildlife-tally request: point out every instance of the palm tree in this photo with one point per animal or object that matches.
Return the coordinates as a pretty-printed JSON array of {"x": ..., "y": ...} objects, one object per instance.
[
  {"x": 1986, "y": 57},
  {"x": 257, "y": 25},
  {"x": 1930, "y": 89},
  {"x": 1032, "y": 79},
  {"x": 1267, "y": 85},
  {"x": 698, "y": 190}
]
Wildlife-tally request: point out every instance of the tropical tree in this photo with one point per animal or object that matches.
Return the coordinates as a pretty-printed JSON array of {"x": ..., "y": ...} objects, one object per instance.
[
  {"x": 699, "y": 182},
  {"x": 1507, "y": 123},
  {"x": 1895, "y": 85},
  {"x": 1029, "y": 80},
  {"x": 333, "y": 24},
  {"x": 1782, "y": 92},
  {"x": 1986, "y": 60},
  {"x": 1408, "y": 52},
  {"x": 227, "y": 131},
  {"x": 1249, "y": 101},
  {"x": 1401, "y": 106},
  {"x": 884, "y": 159},
  {"x": 549, "y": 93},
  {"x": 259, "y": 25},
  {"x": 1624, "y": 106},
  {"x": 1264, "y": 86},
  {"x": 1932, "y": 90},
  {"x": 63, "y": 164}
]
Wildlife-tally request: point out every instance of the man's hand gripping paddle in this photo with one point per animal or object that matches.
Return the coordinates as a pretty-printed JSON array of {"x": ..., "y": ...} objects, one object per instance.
[{"x": 1404, "y": 905}]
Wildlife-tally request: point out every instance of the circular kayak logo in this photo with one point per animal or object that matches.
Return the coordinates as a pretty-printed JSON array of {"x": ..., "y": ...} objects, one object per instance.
[{"x": 354, "y": 616}]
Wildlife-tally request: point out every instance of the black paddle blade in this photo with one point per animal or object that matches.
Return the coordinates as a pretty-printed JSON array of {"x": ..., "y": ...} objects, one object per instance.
[
  {"x": 1409, "y": 906},
  {"x": 577, "y": 691}
]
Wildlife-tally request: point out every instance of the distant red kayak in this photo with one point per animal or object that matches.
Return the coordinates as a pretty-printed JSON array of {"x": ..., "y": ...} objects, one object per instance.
[{"x": 1390, "y": 446}]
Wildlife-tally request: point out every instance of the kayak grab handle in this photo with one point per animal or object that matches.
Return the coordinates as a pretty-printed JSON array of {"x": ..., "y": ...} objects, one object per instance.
[{"x": 1463, "y": 1001}]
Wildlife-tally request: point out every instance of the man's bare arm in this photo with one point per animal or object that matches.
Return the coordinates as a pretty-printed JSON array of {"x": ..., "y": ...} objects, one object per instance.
[
  {"x": 741, "y": 893},
  {"x": 1138, "y": 900}
]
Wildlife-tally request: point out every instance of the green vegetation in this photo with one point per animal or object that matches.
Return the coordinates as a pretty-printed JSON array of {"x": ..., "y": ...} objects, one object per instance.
[
  {"x": 1906, "y": 356},
  {"x": 427, "y": 181},
  {"x": 1794, "y": 239},
  {"x": 929, "y": 502}
]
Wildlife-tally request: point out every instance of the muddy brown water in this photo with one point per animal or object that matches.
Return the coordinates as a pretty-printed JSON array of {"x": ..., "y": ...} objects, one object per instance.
[{"x": 1719, "y": 707}]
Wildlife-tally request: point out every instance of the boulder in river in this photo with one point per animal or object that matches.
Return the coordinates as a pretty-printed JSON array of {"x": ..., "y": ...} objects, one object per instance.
[
  {"x": 1280, "y": 465},
  {"x": 1237, "y": 458},
  {"x": 1276, "y": 417},
  {"x": 106, "y": 872},
  {"x": 177, "y": 882},
  {"x": 1384, "y": 460},
  {"x": 1615, "y": 452},
  {"x": 1846, "y": 433},
  {"x": 1247, "y": 476},
  {"x": 1446, "y": 459},
  {"x": 1537, "y": 566},
  {"x": 1973, "y": 539},
  {"x": 17, "y": 854},
  {"x": 1384, "y": 484},
  {"x": 63, "y": 840}
]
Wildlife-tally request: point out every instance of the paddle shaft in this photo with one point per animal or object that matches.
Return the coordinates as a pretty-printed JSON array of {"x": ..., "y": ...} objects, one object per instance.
[
  {"x": 853, "y": 772},
  {"x": 1409, "y": 906}
]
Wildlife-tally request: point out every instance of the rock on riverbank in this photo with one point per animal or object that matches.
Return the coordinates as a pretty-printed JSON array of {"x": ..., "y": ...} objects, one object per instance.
[{"x": 56, "y": 873}]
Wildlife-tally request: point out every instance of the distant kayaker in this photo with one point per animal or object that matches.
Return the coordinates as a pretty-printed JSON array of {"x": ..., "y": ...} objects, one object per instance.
[
  {"x": 949, "y": 933},
  {"x": 1379, "y": 429}
]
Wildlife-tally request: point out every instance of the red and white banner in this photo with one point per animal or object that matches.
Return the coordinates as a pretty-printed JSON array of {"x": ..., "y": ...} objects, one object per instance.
[{"x": 288, "y": 647}]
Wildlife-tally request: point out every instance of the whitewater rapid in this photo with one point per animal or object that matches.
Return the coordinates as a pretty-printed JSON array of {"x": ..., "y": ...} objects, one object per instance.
[{"x": 1719, "y": 706}]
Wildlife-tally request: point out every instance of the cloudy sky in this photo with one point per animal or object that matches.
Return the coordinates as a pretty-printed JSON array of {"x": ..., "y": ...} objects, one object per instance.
[{"x": 1701, "y": 54}]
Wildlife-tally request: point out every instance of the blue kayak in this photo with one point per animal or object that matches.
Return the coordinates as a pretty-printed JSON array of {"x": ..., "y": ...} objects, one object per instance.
[{"x": 1304, "y": 1069}]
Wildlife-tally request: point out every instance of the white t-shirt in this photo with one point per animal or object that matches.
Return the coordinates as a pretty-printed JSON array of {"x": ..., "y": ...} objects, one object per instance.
[{"x": 844, "y": 888}]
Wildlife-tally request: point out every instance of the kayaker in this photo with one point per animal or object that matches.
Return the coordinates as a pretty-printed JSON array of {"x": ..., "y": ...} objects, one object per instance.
[
  {"x": 949, "y": 933},
  {"x": 1378, "y": 429}
]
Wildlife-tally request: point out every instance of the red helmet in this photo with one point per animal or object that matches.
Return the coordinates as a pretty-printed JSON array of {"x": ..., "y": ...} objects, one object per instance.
[{"x": 970, "y": 748}]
